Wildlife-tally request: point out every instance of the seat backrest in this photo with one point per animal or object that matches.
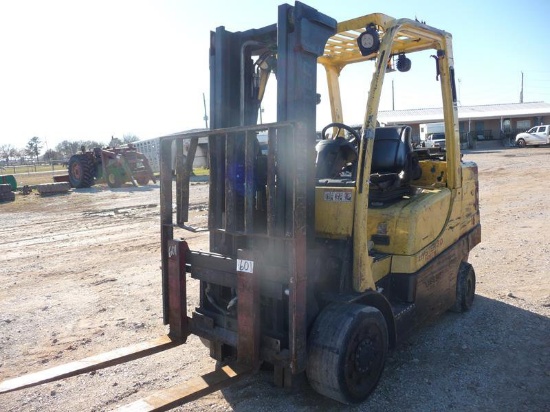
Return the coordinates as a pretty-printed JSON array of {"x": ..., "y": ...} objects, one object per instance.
[
  {"x": 392, "y": 148},
  {"x": 332, "y": 156}
]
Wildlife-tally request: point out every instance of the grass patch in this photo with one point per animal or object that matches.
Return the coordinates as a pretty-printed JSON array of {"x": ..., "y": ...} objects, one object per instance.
[
  {"x": 201, "y": 171},
  {"x": 32, "y": 179}
]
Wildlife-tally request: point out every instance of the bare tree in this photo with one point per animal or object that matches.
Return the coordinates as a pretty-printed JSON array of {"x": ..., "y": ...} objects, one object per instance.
[
  {"x": 7, "y": 151},
  {"x": 50, "y": 155},
  {"x": 68, "y": 148},
  {"x": 129, "y": 138}
]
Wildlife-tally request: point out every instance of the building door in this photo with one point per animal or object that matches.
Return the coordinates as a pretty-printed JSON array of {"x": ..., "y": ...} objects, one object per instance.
[{"x": 480, "y": 127}]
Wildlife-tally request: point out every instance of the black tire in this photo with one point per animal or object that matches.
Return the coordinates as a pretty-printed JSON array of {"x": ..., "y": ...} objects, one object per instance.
[
  {"x": 5, "y": 188},
  {"x": 7, "y": 196},
  {"x": 142, "y": 180},
  {"x": 347, "y": 349},
  {"x": 521, "y": 143},
  {"x": 465, "y": 288},
  {"x": 114, "y": 178},
  {"x": 81, "y": 171}
]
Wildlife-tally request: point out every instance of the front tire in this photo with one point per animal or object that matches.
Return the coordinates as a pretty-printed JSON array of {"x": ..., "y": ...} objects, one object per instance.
[
  {"x": 521, "y": 143},
  {"x": 114, "y": 178},
  {"x": 465, "y": 288},
  {"x": 347, "y": 350}
]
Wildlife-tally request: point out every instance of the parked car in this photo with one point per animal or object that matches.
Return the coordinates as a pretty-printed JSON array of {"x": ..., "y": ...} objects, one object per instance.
[
  {"x": 534, "y": 136},
  {"x": 435, "y": 140}
]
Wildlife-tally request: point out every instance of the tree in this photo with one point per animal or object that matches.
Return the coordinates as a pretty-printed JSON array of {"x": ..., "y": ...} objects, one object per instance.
[
  {"x": 68, "y": 148},
  {"x": 90, "y": 144},
  {"x": 7, "y": 151},
  {"x": 50, "y": 155},
  {"x": 129, "y": 138},
  {"x": 33, "y": 147}
]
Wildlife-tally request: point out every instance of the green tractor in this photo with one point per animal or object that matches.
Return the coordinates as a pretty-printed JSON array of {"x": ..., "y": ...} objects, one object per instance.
[{"x": 116, "y": 165}]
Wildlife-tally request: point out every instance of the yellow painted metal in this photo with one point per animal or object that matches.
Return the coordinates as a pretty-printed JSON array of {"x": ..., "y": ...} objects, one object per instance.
[
  {"x": 463, "y": 217},
  {"x": 450, "y": 115},
  {"x": 334, "y": 93},
  {"x": 397, "y": 36},
  {"x": 362, "y": 261},
  {"x": 412, "y": 224},
  {"x": 342, "y": 49},
  {"x": 334, "y": 207},
  {"x": 434, "y": 174},
  {"x": 419, "y": 228},
  {"x": 381, "y": 268}
]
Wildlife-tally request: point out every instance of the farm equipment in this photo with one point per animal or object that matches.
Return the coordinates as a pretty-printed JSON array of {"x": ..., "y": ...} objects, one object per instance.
[
  {"x": 325, "y": 254},
  {"x": 116, "y": 165},
  {"x": 6, "y": 193},
  {"x": 48, "y": 189}
]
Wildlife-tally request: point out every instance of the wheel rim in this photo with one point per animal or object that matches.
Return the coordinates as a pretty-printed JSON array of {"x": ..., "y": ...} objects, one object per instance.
[
  {"x": 77, "y": 171},
  {"x": 364, "y": 360}
]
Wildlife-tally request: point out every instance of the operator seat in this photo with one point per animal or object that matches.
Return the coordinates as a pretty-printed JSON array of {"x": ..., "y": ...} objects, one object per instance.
[
  {"x": 332, "y": 157},
  {"x": 394, "y": 164}
]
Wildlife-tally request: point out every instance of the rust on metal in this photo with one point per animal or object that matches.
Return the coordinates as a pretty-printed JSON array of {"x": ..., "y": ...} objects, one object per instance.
[
  {"x": 177, "y": 295},
  {"x": 298, "y": 257},
  {"x": 248, "y": 321},
  {"x": 271, "y": 180},
  {"x": 91, "y": 363},
  {"x": 165, "y": 399},
  {"x": 184, "y": 170},
  {"x": 232, "y": 176},
  {"x": 166, "y": 217}
]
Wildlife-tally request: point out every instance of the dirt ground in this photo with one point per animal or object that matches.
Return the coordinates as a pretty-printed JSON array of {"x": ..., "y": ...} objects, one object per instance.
[{"x": 79, "y": 275}]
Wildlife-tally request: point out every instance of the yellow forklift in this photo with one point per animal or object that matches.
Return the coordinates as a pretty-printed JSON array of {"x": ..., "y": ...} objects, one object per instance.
[
  {"x": 323, "y": 254},
  {"x": 325, "y": 251}
]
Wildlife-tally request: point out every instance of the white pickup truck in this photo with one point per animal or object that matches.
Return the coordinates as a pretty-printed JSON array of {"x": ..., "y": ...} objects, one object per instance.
[{"x": 534, "y": 136}]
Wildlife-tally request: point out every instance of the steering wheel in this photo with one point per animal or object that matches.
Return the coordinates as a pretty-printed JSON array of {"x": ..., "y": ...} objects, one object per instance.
[{"x": 354, "y": 140}]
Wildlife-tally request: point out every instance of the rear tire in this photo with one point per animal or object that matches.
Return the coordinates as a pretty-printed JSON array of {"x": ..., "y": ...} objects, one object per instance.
[
  {"x": 347, "y": 349},
  {"x": 521, "y": 143},
  {"x": 81, "y": 171},
  {"x": 465, "y": 288}
]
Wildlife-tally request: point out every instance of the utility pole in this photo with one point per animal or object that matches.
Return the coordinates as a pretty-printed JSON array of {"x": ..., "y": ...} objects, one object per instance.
[
  {"x": 392, "y": 96},
  {"x": 521, "y": 92},
  {"x": 205, "y": 118},
  {"x": 459, "y": 84}
]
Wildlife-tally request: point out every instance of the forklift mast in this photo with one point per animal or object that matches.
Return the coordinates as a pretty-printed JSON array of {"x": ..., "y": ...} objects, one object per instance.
[{"x": 261, "y": 206}]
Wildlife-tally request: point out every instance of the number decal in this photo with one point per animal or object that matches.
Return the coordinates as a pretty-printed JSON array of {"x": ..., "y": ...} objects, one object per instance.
[
  {"x": 245, "y": 266},
  {"x": 340, "y": 196},
  {"x": 172, "y": 250}
]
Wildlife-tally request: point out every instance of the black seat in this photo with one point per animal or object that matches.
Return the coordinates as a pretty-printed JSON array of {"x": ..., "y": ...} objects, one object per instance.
[
  {"x": 394, "y": 164},
  {"x": 332, "y": 157}
]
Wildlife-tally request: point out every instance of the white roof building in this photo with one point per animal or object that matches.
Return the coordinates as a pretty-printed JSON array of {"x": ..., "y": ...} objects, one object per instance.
[{"x": 487, "y": 111}]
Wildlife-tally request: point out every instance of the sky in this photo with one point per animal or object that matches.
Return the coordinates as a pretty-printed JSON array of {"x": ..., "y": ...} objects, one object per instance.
[{"x": 89, "y": 70}]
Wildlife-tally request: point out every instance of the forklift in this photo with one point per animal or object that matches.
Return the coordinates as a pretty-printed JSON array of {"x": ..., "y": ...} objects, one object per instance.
[
  {"x": 325, "y": 251},
  {"x": 323, "y": 254}
]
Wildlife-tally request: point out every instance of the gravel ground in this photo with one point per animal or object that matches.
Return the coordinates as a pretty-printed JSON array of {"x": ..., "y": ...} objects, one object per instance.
[{"x": 79, "y": 275}]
